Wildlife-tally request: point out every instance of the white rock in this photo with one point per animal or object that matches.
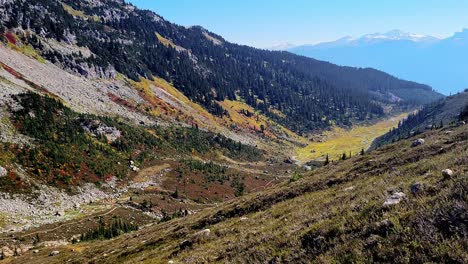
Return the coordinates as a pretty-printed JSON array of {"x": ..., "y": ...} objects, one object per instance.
[
  {"x": 54, "y": 253},
  {"x": 447, "y": 173},
  {"x": 3, "y": 172},
  {"x": 395, "y": 198},
  {"x": 203, "y": 233},
  {"x": 7, "y": 252}
]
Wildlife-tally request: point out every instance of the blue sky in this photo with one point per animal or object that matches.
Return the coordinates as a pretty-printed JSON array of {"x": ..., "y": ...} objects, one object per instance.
[{"x": 266, "y": 23}]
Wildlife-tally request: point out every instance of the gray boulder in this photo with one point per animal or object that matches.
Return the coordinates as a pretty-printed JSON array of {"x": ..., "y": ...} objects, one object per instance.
[
  {"x": 59, "y": 213},
  {"x": 418, "y": 142},
  {"x": 197, "y": 237},
  {"x": 416, "y": 187}
]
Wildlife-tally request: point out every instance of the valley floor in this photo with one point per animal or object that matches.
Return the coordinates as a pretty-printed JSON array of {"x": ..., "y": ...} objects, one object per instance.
[{"x": 339, "y": 140}]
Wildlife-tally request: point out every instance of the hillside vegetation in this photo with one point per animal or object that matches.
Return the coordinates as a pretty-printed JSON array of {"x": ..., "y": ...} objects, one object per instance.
[
  {"x": 70, "y": 149},
  {"x": 392, "y": 205}
]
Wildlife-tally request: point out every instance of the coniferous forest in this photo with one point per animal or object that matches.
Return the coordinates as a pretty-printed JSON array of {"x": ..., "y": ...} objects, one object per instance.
[{"x": 206, "y": 68}]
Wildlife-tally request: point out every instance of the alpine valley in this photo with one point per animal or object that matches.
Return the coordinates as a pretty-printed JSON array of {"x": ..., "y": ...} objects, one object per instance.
[{"x": 125, "y": 138}]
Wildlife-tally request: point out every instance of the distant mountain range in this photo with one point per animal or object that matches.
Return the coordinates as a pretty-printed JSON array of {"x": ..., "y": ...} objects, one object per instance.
[{"x": 440, "y": 63}]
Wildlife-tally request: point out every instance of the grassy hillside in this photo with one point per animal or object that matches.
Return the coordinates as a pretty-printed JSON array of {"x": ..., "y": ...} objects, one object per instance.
[{"x": 335, "y": 214}]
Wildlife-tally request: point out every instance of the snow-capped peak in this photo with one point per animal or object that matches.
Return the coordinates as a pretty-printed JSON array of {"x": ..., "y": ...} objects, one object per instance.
[
  {"x": 398, "y": 35},
  {"x": 282, "y": 46}
]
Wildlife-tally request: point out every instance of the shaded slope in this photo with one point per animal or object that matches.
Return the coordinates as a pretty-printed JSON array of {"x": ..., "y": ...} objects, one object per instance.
[
  {"x": 206, "y": 68},
  {"x": 437, "y": 114}
]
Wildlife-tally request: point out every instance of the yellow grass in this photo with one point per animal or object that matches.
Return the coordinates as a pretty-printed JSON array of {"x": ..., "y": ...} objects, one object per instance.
[
  {"x": 166, "y": 42},
  {"x": 235, "y": 107},
  {"x": 31, "y": 52},
  {"x": 195, "y": 113},
  {"x": 79, "y": 13},
  {"x": 160, "y": 108},
  {"x": 277, "y": 112},
  {"x": 255, "y": 121},
  {"x": 339, "y": 140},
  {"x": 27, "y": 50}
]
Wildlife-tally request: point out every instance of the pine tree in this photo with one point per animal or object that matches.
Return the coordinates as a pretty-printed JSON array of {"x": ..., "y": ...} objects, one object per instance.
[{"x": 327, "y": 161}]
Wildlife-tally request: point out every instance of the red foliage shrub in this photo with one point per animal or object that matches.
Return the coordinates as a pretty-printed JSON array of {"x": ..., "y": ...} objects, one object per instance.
[
  {"x": 11, "y": 71},
  {"x": 11, "y": 38},
  {"x": 120, "y": 101}
]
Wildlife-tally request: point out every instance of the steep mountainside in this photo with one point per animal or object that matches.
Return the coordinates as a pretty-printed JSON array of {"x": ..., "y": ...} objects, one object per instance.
[
  {"x": 443, "y": 112},
  {"x": 441, "y": 63},
  {"x": 106, "y": 37}
]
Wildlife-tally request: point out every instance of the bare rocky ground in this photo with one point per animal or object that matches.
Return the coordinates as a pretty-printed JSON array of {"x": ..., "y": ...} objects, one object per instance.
[
  {"x": 82, "y": 94},
  {"x": 92, "y": 94},
  {"x": 49, "y": 205},
  {"x": 20, "y": 212}
]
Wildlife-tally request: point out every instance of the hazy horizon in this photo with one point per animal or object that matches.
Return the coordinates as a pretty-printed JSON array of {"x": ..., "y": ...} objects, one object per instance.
[{"x": 265, "y": 24}]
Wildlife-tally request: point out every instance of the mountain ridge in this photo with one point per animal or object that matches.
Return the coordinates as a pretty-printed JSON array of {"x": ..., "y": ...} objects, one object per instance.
[{"x": 419, "y": 58}]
